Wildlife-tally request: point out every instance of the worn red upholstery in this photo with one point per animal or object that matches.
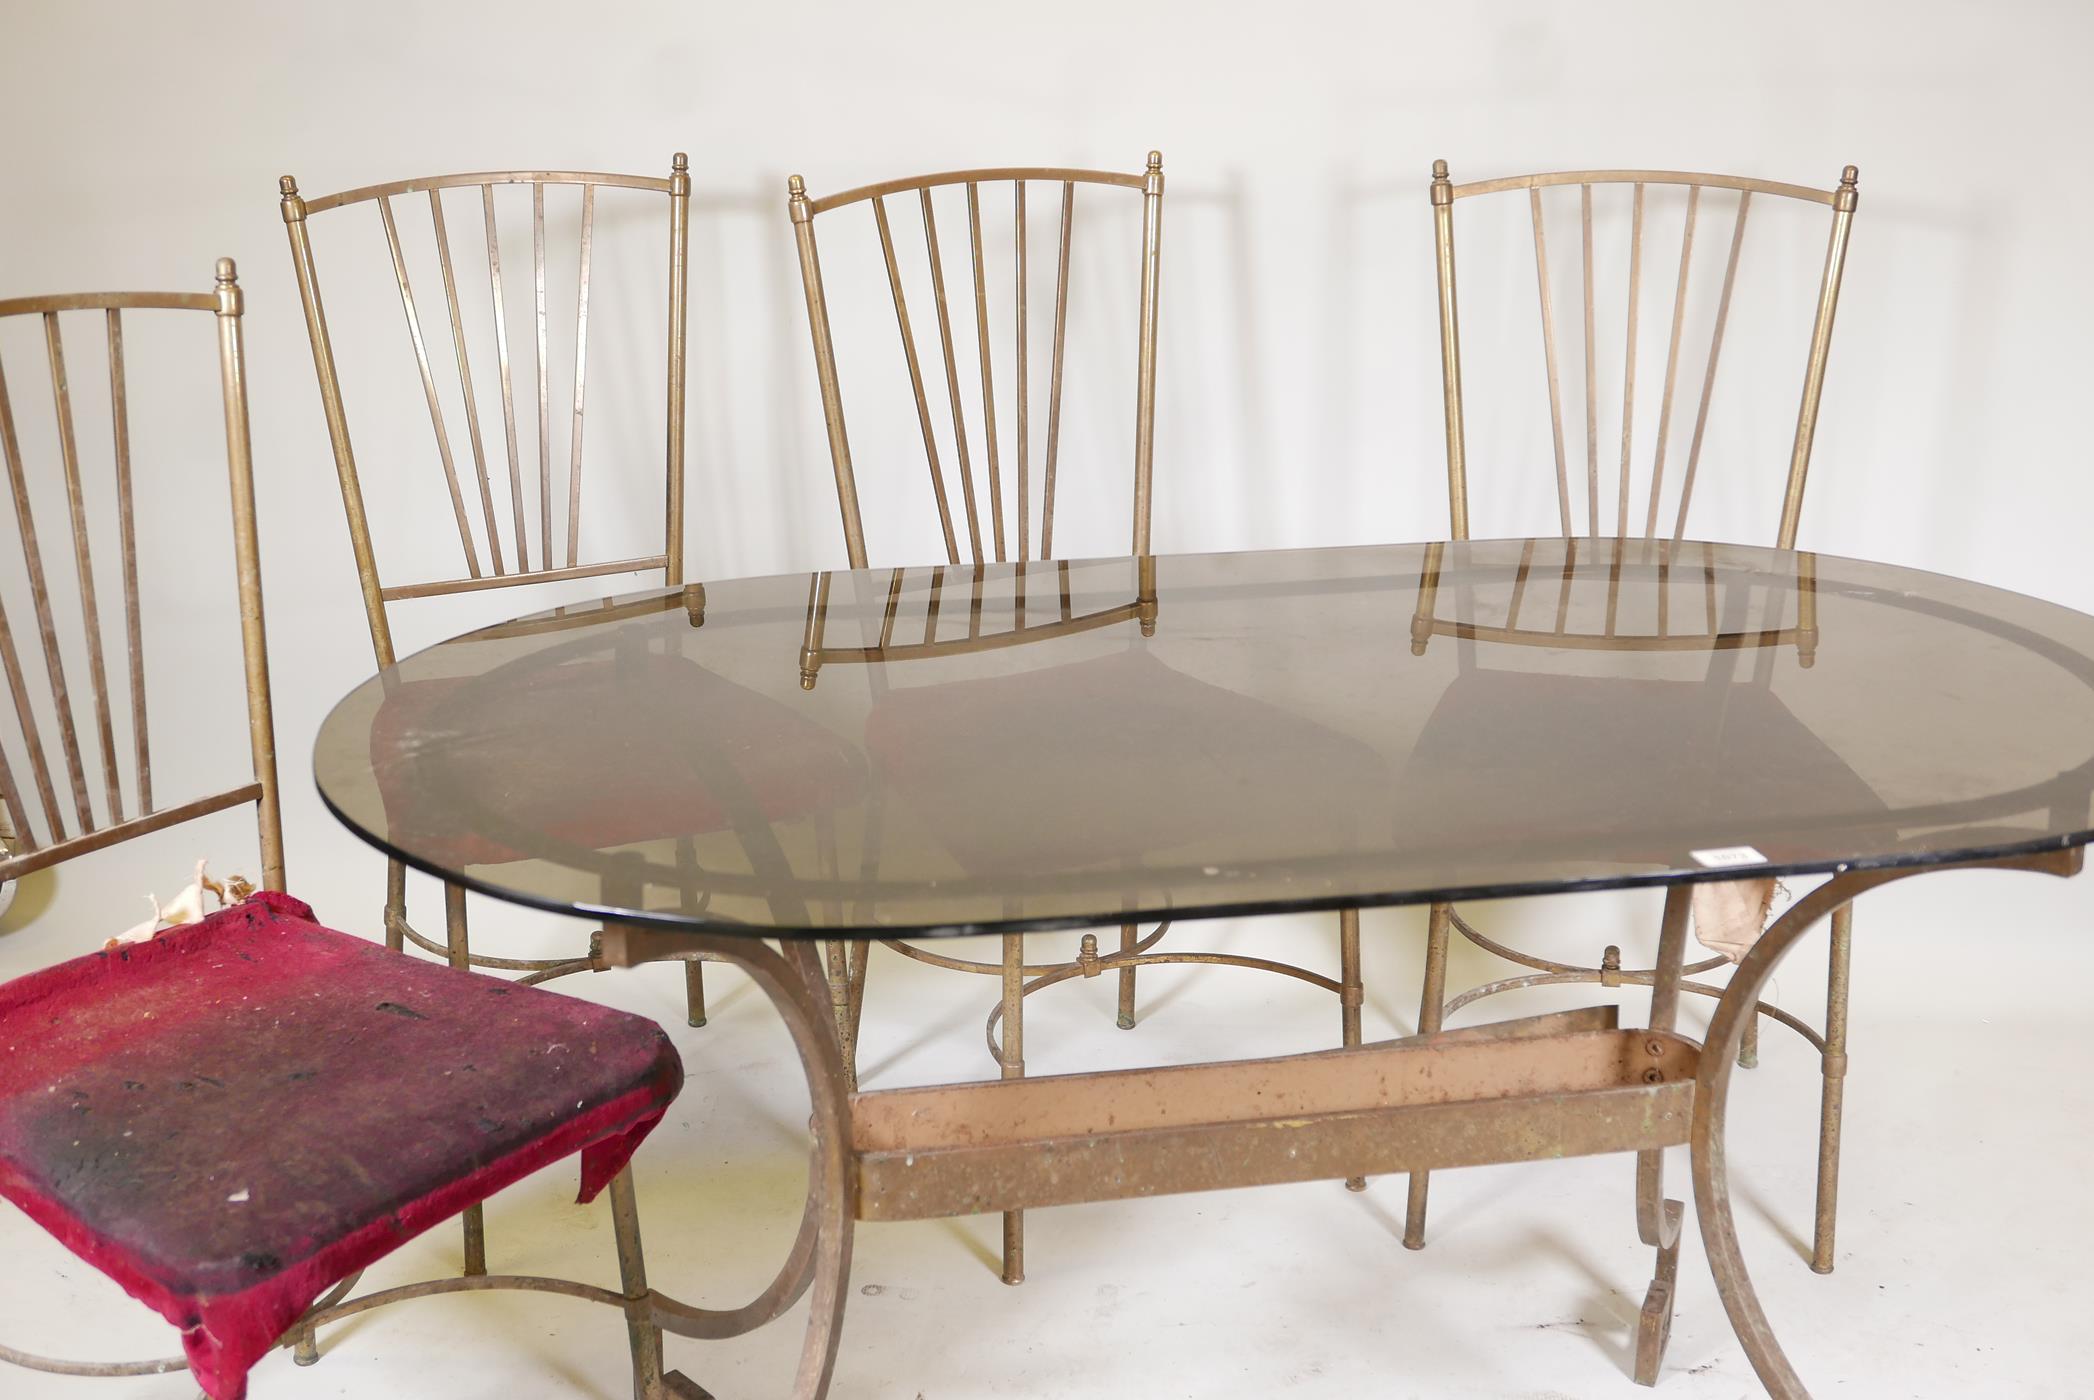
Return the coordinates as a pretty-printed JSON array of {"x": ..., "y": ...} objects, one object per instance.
[
  {"x": 452, "y": 801},
  {"x": 233, "y": 1117}
]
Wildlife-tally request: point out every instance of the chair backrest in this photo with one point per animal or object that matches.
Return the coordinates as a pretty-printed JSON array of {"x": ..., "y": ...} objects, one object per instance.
[
  {"x": 45, "y": 833},
  {"x": 922, "y": 591},
  {"x": 521, "y": 563},
  {"x": 1610, "y": 512},
  {"x": 1019, "y": 540},
  {"x": 1656, "y": 570}
]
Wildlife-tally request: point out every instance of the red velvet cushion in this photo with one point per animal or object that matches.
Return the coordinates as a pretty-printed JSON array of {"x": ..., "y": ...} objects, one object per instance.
[
  {"x": 233, "y": 1117},
  {"x": 636, "y": 731},
  {"x": 1158, "y": 761}
]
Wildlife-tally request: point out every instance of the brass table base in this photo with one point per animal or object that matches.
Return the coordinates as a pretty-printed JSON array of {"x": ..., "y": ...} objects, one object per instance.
[{"x": 1568, "y": 1084}]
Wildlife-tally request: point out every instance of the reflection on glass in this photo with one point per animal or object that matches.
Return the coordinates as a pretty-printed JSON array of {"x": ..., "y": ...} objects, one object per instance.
[{"x": 1086, "y": 743}]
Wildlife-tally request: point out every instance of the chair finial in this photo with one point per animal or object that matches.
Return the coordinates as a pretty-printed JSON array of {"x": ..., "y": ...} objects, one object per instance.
[
  {"x": 1156, "y": 160},
  {"x": 1848, "y": 195},
  {"x": 227, "y": 273},
  {"x": 289, "y": 186},
  {"x": 680, "y": 161},
  {"x": 1439, "y": 170}
]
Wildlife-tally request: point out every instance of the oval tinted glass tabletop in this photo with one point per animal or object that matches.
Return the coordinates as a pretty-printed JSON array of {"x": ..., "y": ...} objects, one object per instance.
[{"x": 949, "y": 750}]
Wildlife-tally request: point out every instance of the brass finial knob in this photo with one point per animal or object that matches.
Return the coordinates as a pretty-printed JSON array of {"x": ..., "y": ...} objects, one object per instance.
[
  {"x": 680, "y": 162},
  {"x": 287, "y": 185},
  {"x": 227, "y": 273},
  {"x": 796, "y": 187},
  {"x": 1439, "y": 170},
  {"x": 1156, "y": 160}
]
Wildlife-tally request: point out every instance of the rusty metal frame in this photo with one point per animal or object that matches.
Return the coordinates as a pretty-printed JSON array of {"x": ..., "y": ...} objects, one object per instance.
[{"x": 1564, "y": 1084}]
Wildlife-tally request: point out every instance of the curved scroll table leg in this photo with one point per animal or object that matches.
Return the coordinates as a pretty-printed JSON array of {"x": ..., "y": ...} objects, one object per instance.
[
  {"x": 798, "y": 985},
  {"x": 1719, "y": 1230}
]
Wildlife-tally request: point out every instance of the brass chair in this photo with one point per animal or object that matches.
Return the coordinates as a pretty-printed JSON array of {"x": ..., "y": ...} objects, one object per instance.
[
  {"x": 529, "y": 555},
  {"x": 1007, "y": 534},
  {"x": 244, "y": 1204},
  {"x": 1610, "y": 521}
]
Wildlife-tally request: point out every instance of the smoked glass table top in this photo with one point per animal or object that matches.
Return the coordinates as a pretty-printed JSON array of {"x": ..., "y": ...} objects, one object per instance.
[{"x": 957, "y": 749}]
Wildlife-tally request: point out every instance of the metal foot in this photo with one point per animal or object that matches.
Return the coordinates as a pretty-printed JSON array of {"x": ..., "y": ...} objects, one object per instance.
[
  {"x": 1414, "y": 1211},
  {"x": 1654, "y": 1324},
  {"x": 694, "y": 993},
  {"x": 1014, "y": 1247},
  {"x": 307, "y": 1352},
  {"x": 1128, "y": 939}
]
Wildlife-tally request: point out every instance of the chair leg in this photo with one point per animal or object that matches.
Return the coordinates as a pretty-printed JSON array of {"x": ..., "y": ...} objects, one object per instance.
[
  {"x": 650, "y": 1382},
  {"x": 395, "y": 904},
  {"x": 1128, "y": 938},
  {"x": 1349, "y": 997},
  {"x": 1430, "y": 1012},
  {"x": 694, "y": 993},
  {"x": 1832, "y": 1104},
  {"x": 1013, "y": 1066},
  {"x": 460, "y": 944}
]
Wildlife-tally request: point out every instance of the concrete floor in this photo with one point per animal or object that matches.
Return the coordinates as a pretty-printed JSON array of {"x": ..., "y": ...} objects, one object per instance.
[{"x": 1962, "y": 1251}]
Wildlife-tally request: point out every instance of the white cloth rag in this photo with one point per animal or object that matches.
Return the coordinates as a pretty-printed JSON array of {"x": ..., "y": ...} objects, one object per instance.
[{"x": 1730, "y": 915}]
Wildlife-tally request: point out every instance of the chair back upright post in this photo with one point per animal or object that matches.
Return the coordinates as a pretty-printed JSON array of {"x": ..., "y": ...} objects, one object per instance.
[
  {"x": 36, "y": 846},
  {"x": 1842, "y": 202},
  {"x": 996, "y": 542},
  {"x": 477, "y": 497}
]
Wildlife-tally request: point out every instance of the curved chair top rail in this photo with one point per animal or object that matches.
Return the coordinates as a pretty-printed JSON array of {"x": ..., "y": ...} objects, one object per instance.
[
  {"x": 988, "y": 175},
  {"x": 1651, "y": 177},
  {"x": 110, "y": 301},
  {"x": 325, "y": 202},
  {"x": 473, "y": 480},
  {"x": 1841, "y": 201}
]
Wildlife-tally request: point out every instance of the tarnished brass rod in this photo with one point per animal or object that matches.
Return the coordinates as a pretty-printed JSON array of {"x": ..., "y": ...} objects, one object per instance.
[
  {"x": 915, "y": 364},
  {"x": 581, "y": 373},
  {"x": 1548, "y": 348},
  {"x": 952, "y": 377},
  {"x": 465, "y": 378},
  {"x": 1672, "y": 365},
  {"x": 421, "y": 359},
  {"x": 1843, "y": 207},
  {"x": 1708, "y": 379},
  {"x": 1054, "y": 376},
  {"x": 83, "y": 564},
  {"x": 127, "y": 549},
  {"x": 501, "y": 346}
]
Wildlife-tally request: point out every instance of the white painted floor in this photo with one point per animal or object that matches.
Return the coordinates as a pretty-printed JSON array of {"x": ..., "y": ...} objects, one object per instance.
[{"x": 1963, "y": 1260}]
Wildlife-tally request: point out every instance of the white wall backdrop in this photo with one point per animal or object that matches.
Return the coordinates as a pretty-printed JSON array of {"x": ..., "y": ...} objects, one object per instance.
[{"x": 1300, "y": 361}]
